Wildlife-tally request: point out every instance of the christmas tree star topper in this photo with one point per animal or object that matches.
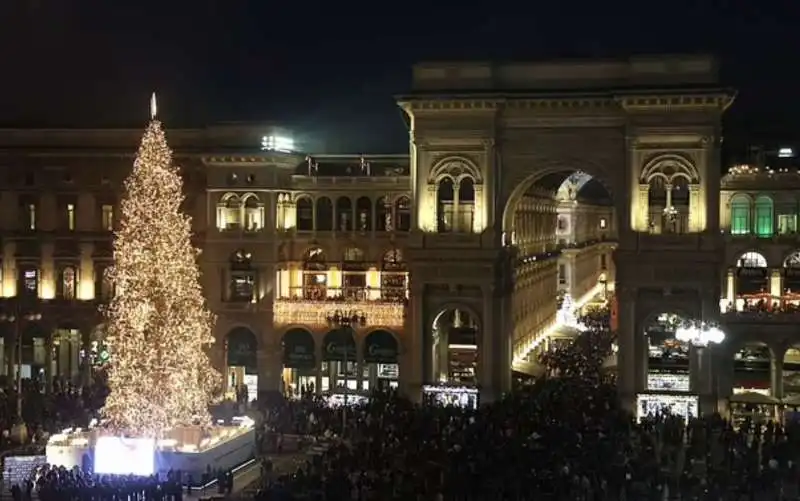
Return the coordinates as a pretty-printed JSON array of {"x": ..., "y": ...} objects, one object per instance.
[{"x": 153, "y": 107}]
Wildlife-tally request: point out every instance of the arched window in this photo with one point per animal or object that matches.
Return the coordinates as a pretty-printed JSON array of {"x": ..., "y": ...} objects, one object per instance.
[
  {"x": 764, "y": 221},
  {"x": 242, "y": 285},
  {"x": 740, "y": 215},
  {"x": 402, "y": 210},
  {"x": 68, "y": 283},
  {"x": 29, "y": 281},
  {"x": 466, "y": 205},
  {"x": 229, "y": 212},
  {"x": 383, "y": 215},
  {"x": 791, "y": 274},
  {"x": 364, "y": 214},
  {"x": 752, "y": 274},
  {"x": 344, "y": 211},
  {"x": 394, "y": 276},
  {"x": 253, "y": 214},
  {"x": 445, "y": 205},
  {"x": 305, "y": 214},
  {"x": 324, "y": 212},
  {"x": 315, "y": 275},
  {"x": 354, "y": 274}
]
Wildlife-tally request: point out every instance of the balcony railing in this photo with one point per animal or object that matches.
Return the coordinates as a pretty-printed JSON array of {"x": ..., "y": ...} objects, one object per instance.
[
  {"x": 348, "y": 293},
  {"x": 299, "y": 310},
  {"x": 758, "y": 316}
]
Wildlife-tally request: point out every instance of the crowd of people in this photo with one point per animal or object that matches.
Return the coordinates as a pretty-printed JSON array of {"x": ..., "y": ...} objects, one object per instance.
[
  {"x": 64, "y": 405},
  {"x": 566, "y": 437},
  {"x": 61, "y": 484}
]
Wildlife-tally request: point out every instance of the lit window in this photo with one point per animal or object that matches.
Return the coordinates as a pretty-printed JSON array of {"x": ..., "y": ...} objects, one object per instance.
[
  {"x": 71, "y": 217},
  {"x": 69, "y": 283},
  {"x": 108, "y": 217},
  {"x": 30, "y": 282},
  {"x": 603, "y": 223},
  {"x": 32, "y": 216}
]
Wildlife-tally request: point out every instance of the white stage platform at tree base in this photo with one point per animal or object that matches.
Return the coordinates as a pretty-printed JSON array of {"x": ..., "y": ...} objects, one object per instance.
[{"x": 192, "y": 450}]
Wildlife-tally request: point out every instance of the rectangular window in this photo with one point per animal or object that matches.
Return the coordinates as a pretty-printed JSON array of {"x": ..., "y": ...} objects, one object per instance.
[
  {"x": 740, "y": 220},
  {"x": 31, "y": 216},
  {"x": 108, "y": 217},
  {"x": 603, "y": 223},
  {"x": 71, "y": 217},
  {"x": 787, "y": 223},
  {"x": 562, "y": 274},
  {"x": 764, "y": 221},
  {"x": 29, "y": 282},
  {"x": 603, "y": 261}
]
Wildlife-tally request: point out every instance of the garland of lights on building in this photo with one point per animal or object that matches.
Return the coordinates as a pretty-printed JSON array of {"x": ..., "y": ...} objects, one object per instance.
[{"x": 158, "y": 324}]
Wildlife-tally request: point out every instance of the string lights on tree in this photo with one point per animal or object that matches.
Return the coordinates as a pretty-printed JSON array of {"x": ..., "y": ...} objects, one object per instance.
[{"x": 160, "y": 377}]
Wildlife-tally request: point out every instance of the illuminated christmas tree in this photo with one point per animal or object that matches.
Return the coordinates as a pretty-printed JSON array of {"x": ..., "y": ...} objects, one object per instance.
[{"x": 157, "y": 322}]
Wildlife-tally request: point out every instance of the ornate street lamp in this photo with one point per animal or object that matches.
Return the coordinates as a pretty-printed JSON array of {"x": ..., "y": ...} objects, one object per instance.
[
  {"x": 19, "y": 431},
  {"x": 343, "y": 321}
]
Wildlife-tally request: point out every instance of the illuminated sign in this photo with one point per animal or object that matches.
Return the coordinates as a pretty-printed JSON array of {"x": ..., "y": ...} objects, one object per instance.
[
  {"x": 785, "y": 153},
  {"x": 277, "y": 143}
]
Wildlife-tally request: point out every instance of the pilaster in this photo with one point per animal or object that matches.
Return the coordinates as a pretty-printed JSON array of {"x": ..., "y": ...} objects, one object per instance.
[
  {"x": 416, "y": 358},
  {"x": 627, "y": 353}
]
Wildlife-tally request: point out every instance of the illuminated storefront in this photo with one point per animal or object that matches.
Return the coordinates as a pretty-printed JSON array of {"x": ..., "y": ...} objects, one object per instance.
[
  {"x": 299, "y": 363},
  {"x": 651, "y": 404},
  {"x": 242, "y": 362},
  {"x": 458, "y": 396},
  {"x": 380, "y": 359}
]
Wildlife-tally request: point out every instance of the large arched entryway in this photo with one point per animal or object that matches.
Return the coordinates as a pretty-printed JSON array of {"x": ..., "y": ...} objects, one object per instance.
[
  {"x": 339, "y": 360},
  {"x": 241, "y": 346},
  {"x": 381, "y": 351},
  {"x": 299, "y": 363},
  {"x": 451, "y": 358}
]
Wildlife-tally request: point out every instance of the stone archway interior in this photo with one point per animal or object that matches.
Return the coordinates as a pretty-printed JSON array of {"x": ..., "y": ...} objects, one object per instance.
[
  {"x": 242, "y": 349},
  {"x": 751, "y": 369},
  {"x": 791, "y": 373},
  {"x": 752, "y": 282},
  {"x": 454, "y": 347},
  {"x": 381, "y": 355},
  {"x": 299, "y": 350},
  {"x": 667, "y": 358},
  {"x": 340, "y": 354},
  {"x": 380, "y": 347}
]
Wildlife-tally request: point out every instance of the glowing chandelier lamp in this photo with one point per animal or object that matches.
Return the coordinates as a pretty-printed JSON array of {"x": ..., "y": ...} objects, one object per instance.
[{"x": 700, "y": 334}]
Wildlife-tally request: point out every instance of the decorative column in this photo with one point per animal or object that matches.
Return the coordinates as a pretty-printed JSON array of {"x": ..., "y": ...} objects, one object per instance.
[
  {"x": 643, "y": 208},
  {"x": 695, "y": 220},
  {"x": 486, "y": 350},
  {"x": 776, "y": 372},
  {"x": 731, "y": 288},
  {"x": 416, "y": 357},
  {"x": 724, "y": 387},
  {"x": 775, "y": 282},
  {"x": 479, "y": 217}
]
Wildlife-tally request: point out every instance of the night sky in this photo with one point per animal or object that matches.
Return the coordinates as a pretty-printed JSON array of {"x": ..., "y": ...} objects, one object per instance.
[{"x": 329, "y": 70}]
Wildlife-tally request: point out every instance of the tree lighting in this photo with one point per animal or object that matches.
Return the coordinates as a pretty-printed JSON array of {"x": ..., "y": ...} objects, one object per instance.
[
  {"x": 699, "y": 334},
  {"x": 160, "y": 377}
]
